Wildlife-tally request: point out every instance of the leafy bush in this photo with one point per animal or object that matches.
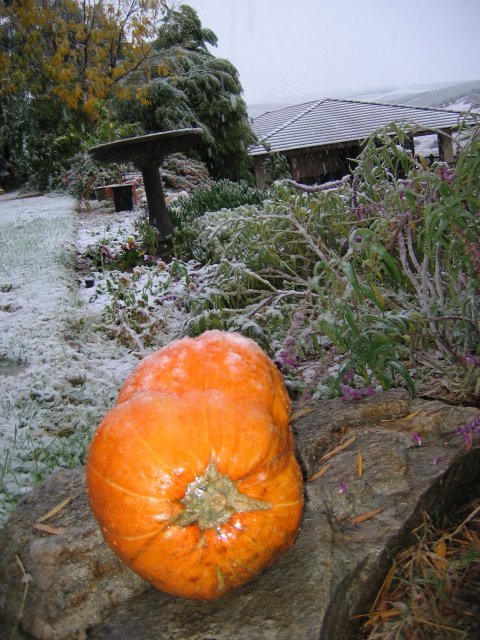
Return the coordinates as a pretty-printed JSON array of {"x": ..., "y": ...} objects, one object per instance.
[
  {"x": 181, "y": 173},
  {"x": 223, "y": 194},
  {"x": 83, "y": 175},
  {"x": 140, "y": 248},
  {"x": 276, "y": 167},
  {"x": 80, "y": 174},
  {"x": 373, "y": 283},
  {"x": 380, "y": 275}
]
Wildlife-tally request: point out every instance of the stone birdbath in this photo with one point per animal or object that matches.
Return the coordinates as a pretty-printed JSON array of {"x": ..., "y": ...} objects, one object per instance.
[{"x": 147, "y": 154}]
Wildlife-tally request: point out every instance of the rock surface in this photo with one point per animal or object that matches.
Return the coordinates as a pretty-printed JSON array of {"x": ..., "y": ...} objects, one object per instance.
[
  {"x": 60, "y": 581},
  {"x": 352, "y": 524}
]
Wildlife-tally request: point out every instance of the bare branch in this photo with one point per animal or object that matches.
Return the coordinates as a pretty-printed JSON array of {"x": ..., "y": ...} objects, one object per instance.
[{"x": 334, "y": 184}]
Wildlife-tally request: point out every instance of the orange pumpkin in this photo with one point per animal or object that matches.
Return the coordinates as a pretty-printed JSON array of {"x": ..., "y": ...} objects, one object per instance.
[
  {"x": 192, "y": 475},
  {"x": 197, "y": 493},
  {"x": 219, "y": 360}
]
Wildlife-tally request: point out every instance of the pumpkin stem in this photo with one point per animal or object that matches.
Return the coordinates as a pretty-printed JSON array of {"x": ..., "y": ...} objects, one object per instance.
[{"x": 211, "y": 499}]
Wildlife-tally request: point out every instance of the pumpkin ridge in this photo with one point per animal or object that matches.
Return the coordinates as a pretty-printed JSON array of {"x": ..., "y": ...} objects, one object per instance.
[
  {"x": 149, "y": 448},
  {"x": 245, "y": 534},
  {"x": 130, "y": 538},
  {"x": 284, "y": 505},
  {"x": 222, "y": 576},
  {"x": 239, "y": 563},
  {"x": 177, "y": 482},
  {"x": 232, "y": 440},
  {"x": 136, "y": 556},
  {"x": 221, "y": 586},
  {"x": 115, "y": 485},
  {"x": 233, "y": 564},
  {"x": 146, "y": 547},
  {"x": 270, "y": 460}
]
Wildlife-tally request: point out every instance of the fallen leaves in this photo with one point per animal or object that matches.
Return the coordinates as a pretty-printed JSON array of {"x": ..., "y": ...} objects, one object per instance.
[
  {"x": 410, "y": 416},
  {"x": 340, "y": 447},
  {"x": 440, "y": 551},
  {"x": 430, "y": 589},
  {"x": 330, "y": 454},
  {"x": 301, "y": 412},
  {"x": 46, "y": 528},
  {"x": 56, "y": 531},
  {"x": 361, "y": 517},
  {"x": 54, "y": 510},
  {"x": 365, "y": 516},
  {"x": 321, "y": 472}
]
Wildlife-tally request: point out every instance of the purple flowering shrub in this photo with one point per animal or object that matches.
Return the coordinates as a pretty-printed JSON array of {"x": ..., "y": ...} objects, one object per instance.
[
  {"x": 349, "y": 393},
  {"x": 375, "y": 278},
  {"x": 372, "y": 283}
]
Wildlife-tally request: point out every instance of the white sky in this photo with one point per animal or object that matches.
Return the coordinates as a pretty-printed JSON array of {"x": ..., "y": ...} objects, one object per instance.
[{"x": 292, "y": 50}]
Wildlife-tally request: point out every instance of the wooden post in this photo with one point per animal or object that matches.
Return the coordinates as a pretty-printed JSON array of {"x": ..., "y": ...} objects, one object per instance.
[
  {"x": 295, "y": 170},
  {"x": 445, "y": 147},
  {"x": 260, "y": 174},
  {"x": 409, "y": 144}
]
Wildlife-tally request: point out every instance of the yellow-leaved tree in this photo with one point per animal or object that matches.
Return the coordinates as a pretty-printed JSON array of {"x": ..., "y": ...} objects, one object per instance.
[
  {"x": 78, "y": 51},
  {"x": 61, "y": 64}
]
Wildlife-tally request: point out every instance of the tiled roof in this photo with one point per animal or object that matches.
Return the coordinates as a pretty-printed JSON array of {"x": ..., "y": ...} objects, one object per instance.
[{"x": 328, "y": 121}]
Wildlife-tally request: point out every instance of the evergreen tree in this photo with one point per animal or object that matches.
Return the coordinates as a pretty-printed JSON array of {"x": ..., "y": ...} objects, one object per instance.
[{"x": 194, "y": 88}]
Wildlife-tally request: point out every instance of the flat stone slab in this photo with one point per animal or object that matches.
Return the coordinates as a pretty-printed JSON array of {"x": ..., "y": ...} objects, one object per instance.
[
  {"x": 352, "y": 524},
  {"x": 152, "y": 147}
]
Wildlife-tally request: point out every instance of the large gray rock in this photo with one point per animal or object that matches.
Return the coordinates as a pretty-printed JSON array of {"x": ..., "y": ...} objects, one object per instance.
[
  {"x": 57, "y": 585},
  {"x": 332, "y": 572}
]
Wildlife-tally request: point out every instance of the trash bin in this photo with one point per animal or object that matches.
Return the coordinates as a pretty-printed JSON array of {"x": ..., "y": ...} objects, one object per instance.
[{"x": 122, "y": 196}]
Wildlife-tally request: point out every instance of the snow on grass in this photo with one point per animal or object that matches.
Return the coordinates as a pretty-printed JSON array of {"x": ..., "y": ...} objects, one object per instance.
[
  {"x": 58, "y": 375},
  {"x": 140, "y": 307}
]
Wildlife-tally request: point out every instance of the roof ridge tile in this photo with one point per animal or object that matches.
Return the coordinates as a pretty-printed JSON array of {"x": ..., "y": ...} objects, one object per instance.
[
  {"x": 287, "y": 123},
  {"x": 391, "y": 104}
]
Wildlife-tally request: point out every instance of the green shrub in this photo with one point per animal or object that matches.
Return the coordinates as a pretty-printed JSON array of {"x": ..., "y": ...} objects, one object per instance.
[
  {"x": 383, "y": 272},
  {"x": 224, "y": 194},
  {"x": 374, "y": 283}
]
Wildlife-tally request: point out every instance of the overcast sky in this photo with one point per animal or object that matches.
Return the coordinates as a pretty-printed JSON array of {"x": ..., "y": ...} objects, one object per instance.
[{"x": 295, "y": 50}]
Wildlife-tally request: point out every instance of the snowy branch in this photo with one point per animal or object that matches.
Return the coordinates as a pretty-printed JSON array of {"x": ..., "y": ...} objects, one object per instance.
[{"x": 334, "y": 184}]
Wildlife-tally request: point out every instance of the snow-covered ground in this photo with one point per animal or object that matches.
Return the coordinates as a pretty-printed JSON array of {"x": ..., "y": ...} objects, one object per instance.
[{"x": 57, "y": 375}]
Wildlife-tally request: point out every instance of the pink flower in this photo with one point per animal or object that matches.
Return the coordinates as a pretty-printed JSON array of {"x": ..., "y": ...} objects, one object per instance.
[
  {"x": 469, "y": 430},
  {"x": 349, "y": 393},
  {"x": 470, "y": 358},
  {"x": 417, "y": 438}
]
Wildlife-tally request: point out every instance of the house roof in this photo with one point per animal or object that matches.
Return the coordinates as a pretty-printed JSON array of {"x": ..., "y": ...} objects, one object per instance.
[{"x": 329, "y": 121}]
